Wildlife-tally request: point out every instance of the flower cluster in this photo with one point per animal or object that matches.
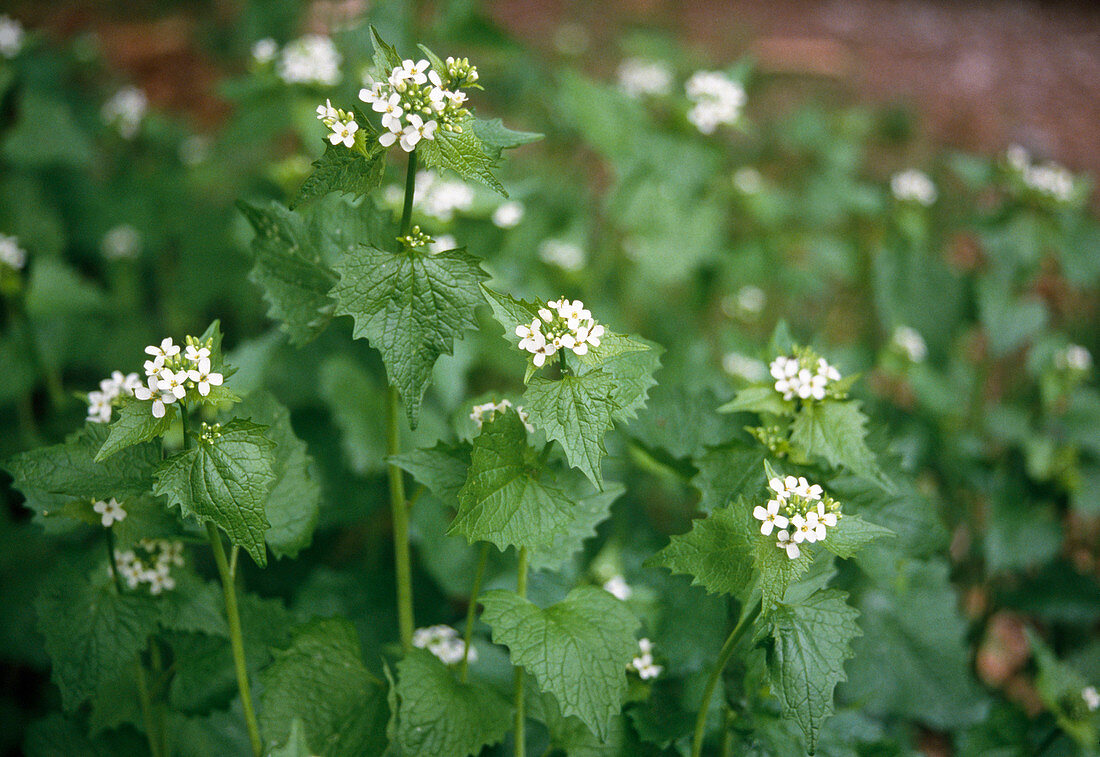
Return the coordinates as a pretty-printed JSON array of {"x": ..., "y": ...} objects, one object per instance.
[
  {"x": 801, "y": 511},
  {"x": 169, "y": 374},
  {"x": 125, "y": 111},
  {"x": 121, "y": 242},
  {"x": 643, "y": 664},
  {"x": 11, "y": 254},
  {"x": 445, "y": 643},
  {"x": 415, "y": 100},
  {"x": 1091, "y": 697},
  {"x": 913, "y": 186},
  {"x": 909, "y": 341},
  {"x": 617, "y": 587},
  {"x": 312, "y": 59},
  {"x": 508, "y": 214},
  {"x": 716, "y": 100},
  {"x": 561, "y": 324},
  {"x": 1073, "y": 358},
  {"x": 803, "y": 375},
  {"x": 343, "y": 124},
  {"x": 488, "y": 411},
  {"x": 152, "y": 566},
  {"x": 11, "y": 36},
  {"x": 1049, "y": 179},
  {"x": 110, "y": 511},
  {"x": 639, "y": 77},
  {"x": 436, "y": 196},
  {"x": 564, "y": 255},
  {"x": 102, "y": 402}
]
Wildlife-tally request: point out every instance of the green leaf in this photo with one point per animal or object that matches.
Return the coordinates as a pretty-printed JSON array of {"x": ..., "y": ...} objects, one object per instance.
[
  {"x": 195, "y": 605},
  {"x": 386, "y": 57},
  {"x": 851, "y": 534},
  {"x": 135, "y": 424},
  {"x": 717, "y": 553},
  {"x": 758, "y": 399},
  {"x": 574, "y": 411},
  {"x": 631, "y": 363},
  {"x": 296, "y": 744},
  {"x": 320, "y": 679},
  {"x": 588, "y": 512},
  {"x": 441, "y": 468},
  {"x": 439, "y": 715},
  {"x": 511, "y": 312},
  {"x": 91, "y": 632},
  {"x": 410, "y": 306},
  {"x": 681, "y": 421},
  {"x": 809, "y": 643},
  {"x": 344, "y": 170},
  {"x": 71, "y": 468},
  {"x": 775, "y": 572},
  {"x": 294, "y": 279},
  {"x": 577, "y": 650},
  {"x": 495, "y": 136},
  {"x": 357, "y": 402},
  {"x": 835, "y": 430},
  {"x": 225, "y": 480},
  {"x": 726, "y": 473},
  {"x": 462, "y": 152},
  {"x": 294, "y": 502},
  {"x": 503, "y": 501},
  {"x": 1060, "y": 688}
]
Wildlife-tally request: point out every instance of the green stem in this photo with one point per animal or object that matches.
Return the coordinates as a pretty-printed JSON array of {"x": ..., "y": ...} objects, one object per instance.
[
  {"x": 521, "y": 719},
  {"x": 235, "y": 637},
  {"x": 160, "y": 711},
  {"x": 715, "y": 675},
  {"x": 147, "y": 710},
  {"x": 471, "y": 609},
  {"x": 111, "y": 560},
  {"x": 398, "y": 504},
  {"x": 727, "y": 734}
]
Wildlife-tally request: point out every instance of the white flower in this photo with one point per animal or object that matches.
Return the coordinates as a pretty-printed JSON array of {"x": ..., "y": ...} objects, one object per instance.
[
  {"x": 913, "y": 186},
  {"x": 121, "y": 242},
  {"x": 312, "y": 59},
  {"x": 802, "y": 377},
  {"x": 643, "y": 664},
  {"x": 160, "y": 581},
  {"x": 748, "y": 180},
  {"x": 110, "y": 511},
  {"x": 343, "y": 133},
  {"x": 327, "y": 113},
  {"x": 639, "y": 77},
  {"x": 165, "y": 350},
  {"x": 1091, "y": 697},
  {"x": 828, "y": 518},
  {"x": 203, "y": 378},
  {"x": 1050, "y": 179},
  {"x": 152, "y": 392},
  {"x": 736, "y": 364},
  {"x": 1075, "y": 358},
  {"x": 414, "y": 72},
  {"x": 11, "y": 36},
  {"x": 264, "y": 51},
  {"x": 173, "y": 383},
  {"x": 125, "y": 111},
  {"x": 99, "y": 407},
  {"x": 1017, "y": 157},
  {"x": 508, "y": 214},
  {"x": 784, "y": 542},
  {"x": 751, "y": 299},
  {"x": 564, "y": 255},
  {"x": 11, "y": 253},
  {"x": 443, "y": 642},
  {"x": 617, "y": 587},
  {"x": 717, "y": 100},
  {"x": 391, "y": 111},
  {"x": 416, "y": 130},
  {"x": 769, "y": 517},
  {"x": 195, "y": 354},
  {"x": 909, "y": 341},
  {"x": 440, "y": 197}
]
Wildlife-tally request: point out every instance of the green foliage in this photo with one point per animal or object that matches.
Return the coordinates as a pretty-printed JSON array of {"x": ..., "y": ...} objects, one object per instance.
[
  {"x": 135, "y": 424},
  {"x": 835, "y": 431},
  {"x": 462, "y": 151},
  {"x": 574, "y": 411},
  {"x": 411, "y": 306},
  {"x": 717, "y": 553},
  {"x": 225, "y": 480},
  {"x": 576, "y": 649},
  {"x": 346, "y": 171},
  {"x": 808, "y": 643}
]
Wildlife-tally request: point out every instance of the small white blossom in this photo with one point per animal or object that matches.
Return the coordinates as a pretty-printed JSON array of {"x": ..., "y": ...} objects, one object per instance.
[
  {"x": 805, "y": 376},
  {"x": 913, "y": 186},
  {"x": 716, "y": 99},
  {"x": 639, "y": 77},
  {"x": 195, "y": 354},
  {"x": 736, "y": 364},
  {"x": 11, "y": 36},
  {"x": 800, "y": 509},
  {"x": 125, "y": 111},
  {"x": 203, "y": 377},
  {"x": 748, "y": 180},
  {"x": 751, "y": 299},
  {"x": 153, "y": 392},
  {"x": 770, "y": 517},
  {"x": 441, "y": 197},
  {"x": 312, "y": 59},
  {"x": 101, "y": 403},
  {"x": 11, "y": 254},
  {"x": 173, "y": 382},
  {"x": 910, "y": 342},
  {"x": 617, "y": 587},
  {"x": 443, "y": 642},
  {"x": 643, "y": 664},
  {"x": 1074, "y": 358},
  {"x": 264, "y": 51},
  {"x": 508, "y": 214},
  {"x": 1049, "y": 179},
  {"x": 122, "y": 242},
  {"x": 564, "y": 255},
  {"x": 343, "y": 133},
  {"x": 1091, "y": 697},
  {"x": 417, "y": 129},
  {"x": 327, "y": 113},
  {"x": 166, "y": 349},
  {"x": 110, "y": 511}
]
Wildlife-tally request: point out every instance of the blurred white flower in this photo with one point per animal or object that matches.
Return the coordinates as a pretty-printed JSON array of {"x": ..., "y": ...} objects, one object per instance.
[
  {"x": 508, "y": 214},
  {"x": 910, "y": 342},
  {"x": 639, "y": 77},
  {"x": 1075, "y": 358},
  {"x": 110, "y": 511},
  {"x": 11, "y": 254},
  {"x": 643, "y": 664},
  {"x": 122, "y": 242},
  {"x": 1091, "y": 697},
  {"x": 443, "y": 642},
  {"x": 913, "y": 186},
  {"x": 264, "y": 51},
  {"x": 562, "y": 254},
  {"x": 11, "y": 36},
  {"x": 748, "y": 180},
  {"x": 716, "y": 99},
  {"x": 617, "y": 587},
  {"x": 312, "y": 59},
  {"x": 125, "y": 111},
  {"x": 736, "y": 364}
]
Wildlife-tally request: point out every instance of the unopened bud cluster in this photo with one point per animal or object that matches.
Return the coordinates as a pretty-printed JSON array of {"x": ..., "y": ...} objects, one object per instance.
[
  {"x": 416, "y": 239},
  {"x": 561, "y": 325},
  {"x": 803, "y": 374},
  {"x": 210, "y": 432},
  {"x": 150, "y": 563},
  {"x": 443, "y": 642},
  {"x": 800, "y": 510},
  {"x": 488, "y": 411}
]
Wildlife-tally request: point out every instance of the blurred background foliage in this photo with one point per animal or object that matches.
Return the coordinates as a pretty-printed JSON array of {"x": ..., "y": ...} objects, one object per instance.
[{"x": 125, "y": 209}]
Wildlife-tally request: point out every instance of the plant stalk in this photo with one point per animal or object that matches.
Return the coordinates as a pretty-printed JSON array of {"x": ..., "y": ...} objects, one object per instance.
[
  {"x": 471, "y": 609},
  {"x": 715, "y": 675},
  {"x": 521, "y": 719},
  {"x": 236, "y": 639},
  {"x": 147, "y": 710}
]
